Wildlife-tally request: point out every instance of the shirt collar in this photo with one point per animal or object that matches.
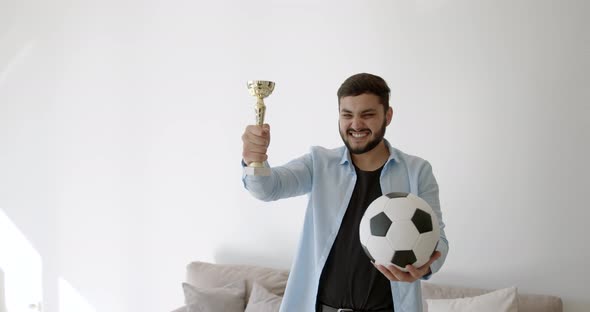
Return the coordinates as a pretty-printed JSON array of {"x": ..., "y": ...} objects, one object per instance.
[{"x": 392, "y": 154}]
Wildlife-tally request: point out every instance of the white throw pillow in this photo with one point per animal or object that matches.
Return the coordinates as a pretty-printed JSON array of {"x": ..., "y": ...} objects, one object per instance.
[
  {"x": 501, "y": 300},
  {"x": 262, "y": 300},
  {"x": 229, "y": 298}
]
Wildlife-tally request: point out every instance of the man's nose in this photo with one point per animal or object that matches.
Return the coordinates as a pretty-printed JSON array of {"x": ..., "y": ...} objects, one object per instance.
[{"x": 357, "y": 123}]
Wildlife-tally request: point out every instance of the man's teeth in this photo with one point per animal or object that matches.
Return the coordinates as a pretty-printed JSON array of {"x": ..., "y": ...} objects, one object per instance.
[{"x": 358, "y": 135}]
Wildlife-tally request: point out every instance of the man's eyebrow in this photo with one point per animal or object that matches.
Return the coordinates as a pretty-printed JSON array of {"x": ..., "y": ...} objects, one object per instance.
[{"x": 370, "y": 110}]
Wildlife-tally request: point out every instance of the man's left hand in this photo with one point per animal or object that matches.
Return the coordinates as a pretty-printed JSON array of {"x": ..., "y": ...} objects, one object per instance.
[{"x": 413, "y": 274}]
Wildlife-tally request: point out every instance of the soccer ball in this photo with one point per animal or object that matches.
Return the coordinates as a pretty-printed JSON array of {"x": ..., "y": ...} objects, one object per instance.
[{"x": 399, "y": 229}]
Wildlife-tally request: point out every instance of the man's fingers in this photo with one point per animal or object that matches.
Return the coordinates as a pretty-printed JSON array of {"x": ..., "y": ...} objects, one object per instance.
[
  {"x": 394, "y": 274},
  {"x": 255, "y": 140},
  {"x": 385, "y": 272},
  {"x": 434, "y": 257},
  {"x": 400, "y": 275},
  {"x": 254, "y": 144},
  {"x": 256, "y": 135},
  {"x": 263, "y": 130},
  {"x": 414, "y": 272},
  {"x": 423, "y": 270},
  {"x": 255, "y": 149},
  {"x": 250, "y": 138}
]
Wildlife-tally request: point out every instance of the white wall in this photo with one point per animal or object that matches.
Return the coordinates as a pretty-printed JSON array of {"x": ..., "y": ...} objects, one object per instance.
[
  {"x": 2, "y": 300},
  {"x": 120, "y": 125}
]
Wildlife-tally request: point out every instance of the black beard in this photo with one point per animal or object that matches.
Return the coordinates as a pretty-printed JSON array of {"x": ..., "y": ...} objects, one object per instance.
[{"x": 370, "y": 145}]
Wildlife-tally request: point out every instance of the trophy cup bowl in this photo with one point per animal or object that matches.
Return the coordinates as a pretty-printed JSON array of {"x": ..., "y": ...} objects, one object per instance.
[{"x": 260, "y": 89}]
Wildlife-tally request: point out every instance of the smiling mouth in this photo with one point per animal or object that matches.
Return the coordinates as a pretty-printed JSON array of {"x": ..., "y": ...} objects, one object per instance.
[{"x": 358, "y": 134}]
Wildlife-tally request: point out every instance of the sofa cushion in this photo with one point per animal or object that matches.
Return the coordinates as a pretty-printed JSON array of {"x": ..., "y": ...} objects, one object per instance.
[
  {"x": 229, "y": 298},
  {"x": 262, "y": 300},
  {"x": 526, "y": 302},
  {"x": 203, "y": 274},
  {"x": 502, "y": 300}
]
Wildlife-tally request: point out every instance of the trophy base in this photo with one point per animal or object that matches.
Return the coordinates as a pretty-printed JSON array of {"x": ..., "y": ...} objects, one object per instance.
[{"x": 257, "y": 171}]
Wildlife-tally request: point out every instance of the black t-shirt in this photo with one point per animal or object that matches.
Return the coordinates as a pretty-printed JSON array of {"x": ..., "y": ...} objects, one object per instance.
[{"x": 349, "y": 279}]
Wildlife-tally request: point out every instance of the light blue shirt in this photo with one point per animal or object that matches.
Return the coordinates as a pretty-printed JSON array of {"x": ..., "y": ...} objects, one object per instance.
[{"x": 328, "y": 177}]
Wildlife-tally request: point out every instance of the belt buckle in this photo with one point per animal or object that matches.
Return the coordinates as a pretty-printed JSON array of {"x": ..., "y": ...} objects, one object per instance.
[{"x": 345, "y": 310}]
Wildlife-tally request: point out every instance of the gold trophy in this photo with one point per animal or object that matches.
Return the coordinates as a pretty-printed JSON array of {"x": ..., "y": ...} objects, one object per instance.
[{"x": 260, "y": 89}]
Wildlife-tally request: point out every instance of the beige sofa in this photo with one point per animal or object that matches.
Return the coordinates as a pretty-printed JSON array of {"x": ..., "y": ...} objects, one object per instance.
[{"x": 208, "y": 275}]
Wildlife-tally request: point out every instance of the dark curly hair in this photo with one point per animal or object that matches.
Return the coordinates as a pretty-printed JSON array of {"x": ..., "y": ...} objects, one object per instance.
[{"x": 365, "y": 83}]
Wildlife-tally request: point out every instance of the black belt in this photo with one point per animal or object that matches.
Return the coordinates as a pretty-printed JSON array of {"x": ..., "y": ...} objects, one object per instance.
[{"x": 325, "y": 308}]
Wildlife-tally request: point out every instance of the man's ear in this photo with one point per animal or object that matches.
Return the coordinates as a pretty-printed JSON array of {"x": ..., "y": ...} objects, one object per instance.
[{"x": 389, "y": 115}]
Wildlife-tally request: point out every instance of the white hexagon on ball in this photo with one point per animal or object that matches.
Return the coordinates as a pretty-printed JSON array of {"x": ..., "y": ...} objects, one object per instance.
[
  {"x": 380, "y": 250},
  {"x": 402, "y": 235},
  {"x": 400, "y": 208}
]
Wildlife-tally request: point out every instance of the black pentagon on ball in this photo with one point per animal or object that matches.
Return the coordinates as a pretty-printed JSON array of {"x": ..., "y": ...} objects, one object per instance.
[
  {"x": 368, "y": 253},
  {"x": 422, "y": 220},
  {"x": 401, "y": 258},
  {"x": 396, "y": 195},
  {"x": 380, "y": 224}
]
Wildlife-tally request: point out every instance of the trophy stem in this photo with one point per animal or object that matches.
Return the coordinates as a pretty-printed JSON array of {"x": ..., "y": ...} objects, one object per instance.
[{"x": 260, "y": 109}]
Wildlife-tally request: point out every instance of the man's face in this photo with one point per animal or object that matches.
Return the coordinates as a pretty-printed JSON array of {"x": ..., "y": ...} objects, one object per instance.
[{"x": 362, "y": 122}]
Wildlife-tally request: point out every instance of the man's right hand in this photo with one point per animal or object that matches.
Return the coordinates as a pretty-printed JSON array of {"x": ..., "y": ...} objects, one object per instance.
[{"x": 256, "y": 140}]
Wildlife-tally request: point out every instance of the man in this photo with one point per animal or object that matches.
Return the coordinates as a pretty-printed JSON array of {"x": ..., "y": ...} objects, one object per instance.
[{"x": 330, "y": 270}]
